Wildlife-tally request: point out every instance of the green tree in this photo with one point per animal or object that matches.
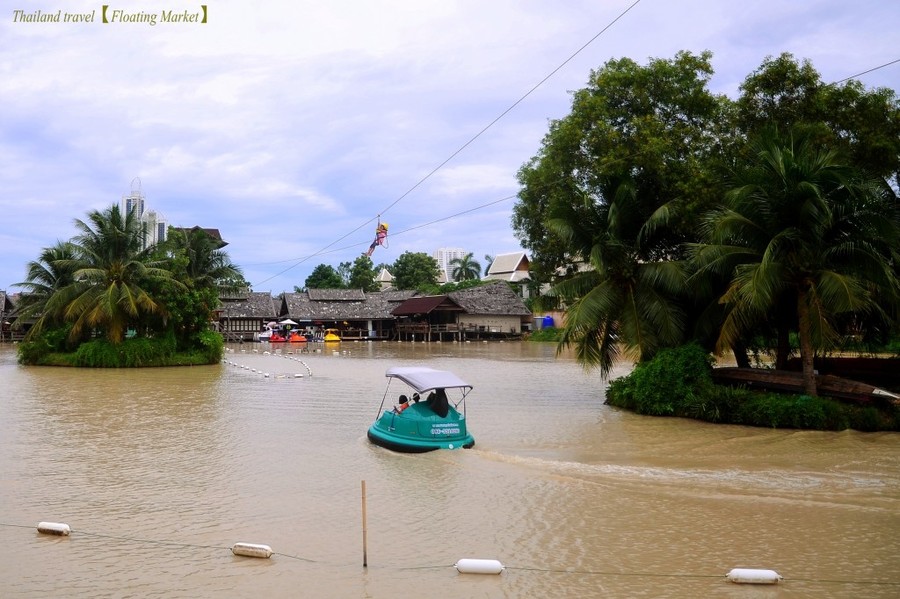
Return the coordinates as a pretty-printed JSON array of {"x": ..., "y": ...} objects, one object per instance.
[
  {"x": 863, "y": 125},
  {"x": 646, "y": 132},
  {"x": 45, "y": 276},
  {"x": 110, "y": 276},
  {"x": 362, "y": 275},
  {"x": 465, "y": 268},
  {"x": 203, "y": 261},
  {"x": 415, "y": 270},
  {"x": 638, "y": 140},
  {"x": 324, "y": 276},
  {"x": 801, "y": 232},
  {"x": 344, "y": 270}
]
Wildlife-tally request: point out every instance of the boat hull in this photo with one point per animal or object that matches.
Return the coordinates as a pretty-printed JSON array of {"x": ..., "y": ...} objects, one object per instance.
[{"x": 419, "y": 430}]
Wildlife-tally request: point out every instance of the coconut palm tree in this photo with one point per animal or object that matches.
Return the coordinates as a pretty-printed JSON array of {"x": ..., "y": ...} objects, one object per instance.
[
  {"x": 802, "y": 239},
  {"x": 489, "y": 260},
  {"x": 623, "y": 299},
  {"x": 465, "y": 268},
  {"x": 205, "y": 263},
  {"x": 110, "y": 272},
  {"x": 46, "y": 275}
]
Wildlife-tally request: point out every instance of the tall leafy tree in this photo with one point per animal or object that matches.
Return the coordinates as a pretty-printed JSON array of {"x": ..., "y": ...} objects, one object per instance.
[
  {"x": 111, "y": 273},
  {"x": 638, "y": 138},
  {"x": 803, "y": 240},
  {"x": 324, "y": 276},
  {"x": 863, "y": 125},
  {"x": 465, "y": 268},
  {"x": 415, "y": 270},
  {"x": 362, "y": 275},
  {"x": 646, "y": 131}
]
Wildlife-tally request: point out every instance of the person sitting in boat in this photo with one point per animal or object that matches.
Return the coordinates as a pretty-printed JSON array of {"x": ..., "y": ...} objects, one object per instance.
[
  {"x": 438, "y": 402},
  {"x": 402, "y": 405}
]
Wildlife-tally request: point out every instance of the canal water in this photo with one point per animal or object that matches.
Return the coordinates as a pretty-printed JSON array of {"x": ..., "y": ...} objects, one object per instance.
[{"x": 159, "y": 472}]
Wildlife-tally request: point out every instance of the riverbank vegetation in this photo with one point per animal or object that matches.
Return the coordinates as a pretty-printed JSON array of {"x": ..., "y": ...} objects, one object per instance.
[
  {"x": 662, "y": 214},
  {"x": 102, "y": 299},
  {"x": 678, "y": 382}
]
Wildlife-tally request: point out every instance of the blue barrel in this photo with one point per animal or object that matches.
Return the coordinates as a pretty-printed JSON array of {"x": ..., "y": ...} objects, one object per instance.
[{"x": 547, "y": 322}]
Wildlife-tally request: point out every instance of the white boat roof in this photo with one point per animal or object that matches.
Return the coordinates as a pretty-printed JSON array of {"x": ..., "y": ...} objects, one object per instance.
[{"x": 423, "y": 379}]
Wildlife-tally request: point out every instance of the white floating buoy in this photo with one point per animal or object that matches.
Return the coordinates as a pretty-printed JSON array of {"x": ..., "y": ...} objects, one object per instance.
[
  {"x": 251, "y": 550},
  {"x": 753, "y": 576},
  {"x": 479, "y": 566},
  {"x": 54, "y": 528}
]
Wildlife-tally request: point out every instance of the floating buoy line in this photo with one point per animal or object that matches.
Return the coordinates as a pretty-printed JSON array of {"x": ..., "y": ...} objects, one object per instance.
[
  {"x": 477, "y": 566},
  {"x": 265, "y": 374}
]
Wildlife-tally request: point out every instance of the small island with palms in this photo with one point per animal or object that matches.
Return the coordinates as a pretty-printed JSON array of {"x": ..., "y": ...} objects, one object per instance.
[{"x": 103, "y": 299}]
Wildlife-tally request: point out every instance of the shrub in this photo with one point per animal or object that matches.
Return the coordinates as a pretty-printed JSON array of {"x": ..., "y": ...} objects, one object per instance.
[{"x": 674, "y": 382}]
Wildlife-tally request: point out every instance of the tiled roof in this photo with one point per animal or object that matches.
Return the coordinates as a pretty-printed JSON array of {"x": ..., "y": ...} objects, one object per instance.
[
  {"x": 257, "y": 304},
  {"x": 337, "y": 295},
  {"x": 341, "y": 304},
  {"x": 494, "y": 298}
]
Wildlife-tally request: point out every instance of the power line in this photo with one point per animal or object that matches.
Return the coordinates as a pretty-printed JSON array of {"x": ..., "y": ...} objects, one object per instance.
[
  {"x": 465, "y": 145},
  {"x": 395, "y": 234},
  {"x": 887, "y": 64}
]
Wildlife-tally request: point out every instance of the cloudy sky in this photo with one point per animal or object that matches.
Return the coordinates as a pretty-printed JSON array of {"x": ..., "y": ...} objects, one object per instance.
[{"x": 291, "y": 125}]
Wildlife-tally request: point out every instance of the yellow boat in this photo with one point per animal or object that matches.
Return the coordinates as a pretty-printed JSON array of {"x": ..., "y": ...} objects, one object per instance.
[{"x": 332, "y": 335}]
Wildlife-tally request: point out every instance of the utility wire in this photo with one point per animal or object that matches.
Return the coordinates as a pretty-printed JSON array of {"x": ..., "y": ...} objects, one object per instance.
[
  {"x": 465, "y": 145},
  {"x": 887, "y": 64},
  {"x": 395, "y": 234}
]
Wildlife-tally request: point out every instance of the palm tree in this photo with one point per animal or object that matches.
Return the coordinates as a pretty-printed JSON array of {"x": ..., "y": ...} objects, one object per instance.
[
  {"x": 802, "y": 239},
  {"x": 489, "y": 261},
  {"x": 622, "y": 300},
  {"x": 110, "y": 270},
  {"x": 206, "y": 264},
  {"x": 46, "y": 275},
  {"x": 465, "y": 268}
]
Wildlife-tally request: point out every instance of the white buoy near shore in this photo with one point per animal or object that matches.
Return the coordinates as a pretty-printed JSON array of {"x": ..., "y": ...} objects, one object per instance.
[
  {"x": 479, "y": 566},
  {"x": 54, "y": 528},
  {"x": 251, "y": 550},
  {"x": 753, "y": 576}
]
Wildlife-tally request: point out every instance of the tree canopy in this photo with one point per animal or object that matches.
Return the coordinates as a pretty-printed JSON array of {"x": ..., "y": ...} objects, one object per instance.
[
  {"x": 415, "y": 270},
  {"x": 610, "y": 205}
]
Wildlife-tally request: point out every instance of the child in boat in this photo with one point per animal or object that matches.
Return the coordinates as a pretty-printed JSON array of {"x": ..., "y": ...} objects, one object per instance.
[
  {"x": 380, "y": 236},
  {"x": 402, "y": 404}
]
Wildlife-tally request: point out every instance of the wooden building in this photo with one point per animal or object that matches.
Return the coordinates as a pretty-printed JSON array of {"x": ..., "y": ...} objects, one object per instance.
[
  {"x": 242, "y": 316},
  {"x": 356, "y": 314}
]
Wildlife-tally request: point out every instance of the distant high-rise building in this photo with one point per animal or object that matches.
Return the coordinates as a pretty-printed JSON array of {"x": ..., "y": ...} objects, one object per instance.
[
  {"x": 444, "y": 256},
  {"x": 134, "y": 200},
  {"x": 154, "y": 224}
]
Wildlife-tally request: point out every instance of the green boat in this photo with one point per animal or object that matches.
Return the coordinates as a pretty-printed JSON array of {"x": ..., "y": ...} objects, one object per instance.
[{"x": 426, "y": 416}]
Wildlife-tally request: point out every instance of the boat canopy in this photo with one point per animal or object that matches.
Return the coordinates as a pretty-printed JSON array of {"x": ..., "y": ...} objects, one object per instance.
[{"x": 424, "y": 379}]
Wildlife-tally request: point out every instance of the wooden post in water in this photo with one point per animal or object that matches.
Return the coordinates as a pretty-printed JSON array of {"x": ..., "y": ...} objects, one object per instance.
[{"x": 365, "y": 557}]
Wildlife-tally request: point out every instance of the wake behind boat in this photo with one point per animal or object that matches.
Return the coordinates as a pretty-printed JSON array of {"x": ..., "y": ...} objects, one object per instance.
[{"x": 426, "y": 419}]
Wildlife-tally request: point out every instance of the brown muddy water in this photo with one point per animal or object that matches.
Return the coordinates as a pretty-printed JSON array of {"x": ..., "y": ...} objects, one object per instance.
[{"x": 159, "y": 472}]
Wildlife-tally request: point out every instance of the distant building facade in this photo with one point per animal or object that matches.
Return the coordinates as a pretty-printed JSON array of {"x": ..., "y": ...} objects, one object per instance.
[
  {"x": 155, "y": 225},
  {"x": 444, "y": 256}
]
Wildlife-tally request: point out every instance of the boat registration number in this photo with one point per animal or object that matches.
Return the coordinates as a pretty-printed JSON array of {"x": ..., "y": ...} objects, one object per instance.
[{"x": 444, "y": 429}]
